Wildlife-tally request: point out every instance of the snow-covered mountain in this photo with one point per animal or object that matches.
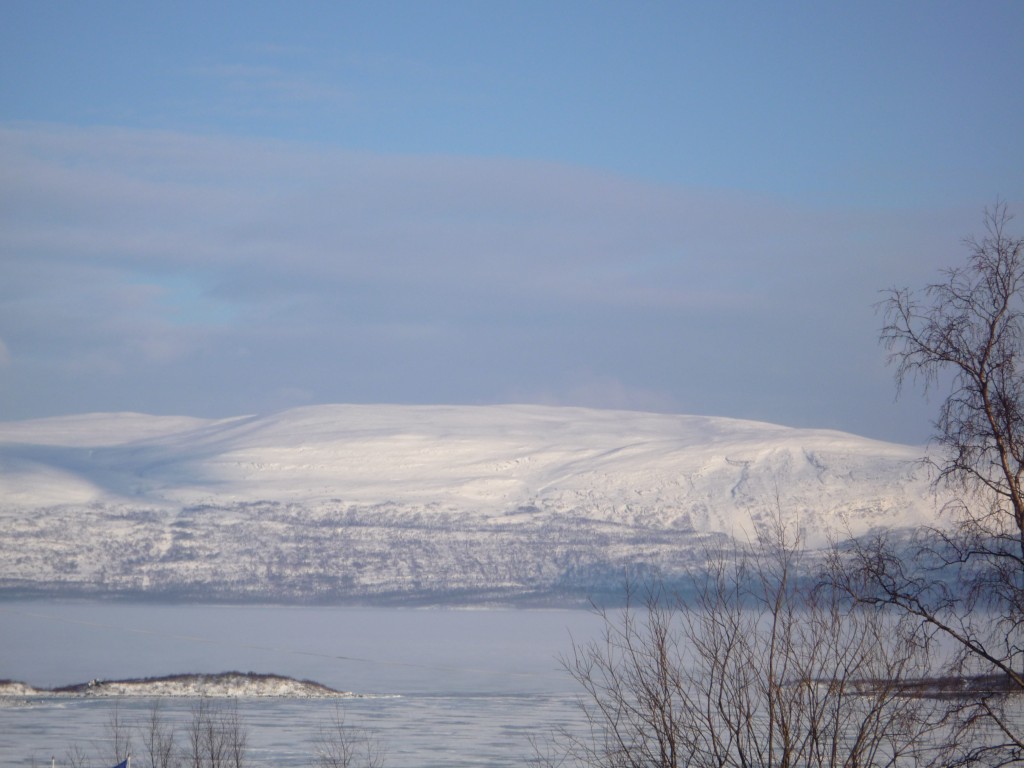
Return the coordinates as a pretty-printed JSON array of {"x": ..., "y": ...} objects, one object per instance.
[{"x": 364, "y": 502}]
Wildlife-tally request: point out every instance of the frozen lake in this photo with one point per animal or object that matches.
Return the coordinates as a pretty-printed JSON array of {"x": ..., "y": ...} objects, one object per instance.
[{"x": 443, "y": 687}]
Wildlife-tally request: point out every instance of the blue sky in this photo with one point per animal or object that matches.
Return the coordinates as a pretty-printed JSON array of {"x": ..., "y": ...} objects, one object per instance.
[{"x": 227, "y": 208}]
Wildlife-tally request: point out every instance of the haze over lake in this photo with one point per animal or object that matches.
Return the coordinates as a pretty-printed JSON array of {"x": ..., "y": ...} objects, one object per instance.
[{"x": 445, "y": 687}]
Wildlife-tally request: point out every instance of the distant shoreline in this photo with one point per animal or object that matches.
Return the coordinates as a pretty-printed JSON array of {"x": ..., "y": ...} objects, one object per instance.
[{"x": 194, "y": 685}]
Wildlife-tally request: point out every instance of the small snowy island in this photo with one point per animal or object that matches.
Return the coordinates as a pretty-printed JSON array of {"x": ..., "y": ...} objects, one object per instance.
[{"x": 221, "y": 685}]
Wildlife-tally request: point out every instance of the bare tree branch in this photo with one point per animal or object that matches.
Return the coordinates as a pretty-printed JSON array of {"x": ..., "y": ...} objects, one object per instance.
[
  {"x": 964, "y": 336},
  {"x": 759, "y": 666}
]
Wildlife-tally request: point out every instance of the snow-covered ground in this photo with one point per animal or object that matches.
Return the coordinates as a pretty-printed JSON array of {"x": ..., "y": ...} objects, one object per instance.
[
  {"x": 419, "y": 502},
  {"x": 223, "y": 685}
]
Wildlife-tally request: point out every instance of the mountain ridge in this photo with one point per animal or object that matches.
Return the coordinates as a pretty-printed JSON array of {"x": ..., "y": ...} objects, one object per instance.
[{"x": 364, "y": 501}]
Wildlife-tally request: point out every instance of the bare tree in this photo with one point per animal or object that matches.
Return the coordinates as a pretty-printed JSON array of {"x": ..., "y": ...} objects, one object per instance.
[
  {"x": 216, "y": 736},
  {"x": 74, "y": 757},
  {"x": 115, "y": 748},
  {"x": 759, "y": 667},
  {"x": 120, "y": 735},
  {"x": 158, "y": 740},
  {"x": 340, "y": 745},
  {"x": 192, "y": 751},
  {"x": 237, "y": 736},
  {"x": 964, "y": 582}
]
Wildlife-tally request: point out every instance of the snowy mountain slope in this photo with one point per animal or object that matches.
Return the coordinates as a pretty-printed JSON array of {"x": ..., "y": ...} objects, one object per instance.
[{"x": 331, "y": 502}]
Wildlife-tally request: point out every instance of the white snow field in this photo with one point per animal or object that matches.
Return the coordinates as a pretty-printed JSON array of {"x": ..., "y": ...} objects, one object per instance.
[{"x": 422, "y": 503}]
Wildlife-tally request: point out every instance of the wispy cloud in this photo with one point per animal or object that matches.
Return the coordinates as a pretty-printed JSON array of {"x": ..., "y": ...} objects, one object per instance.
[
  {"x": 265, "y": 267},
  {"x": 270, "y": 86}
]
